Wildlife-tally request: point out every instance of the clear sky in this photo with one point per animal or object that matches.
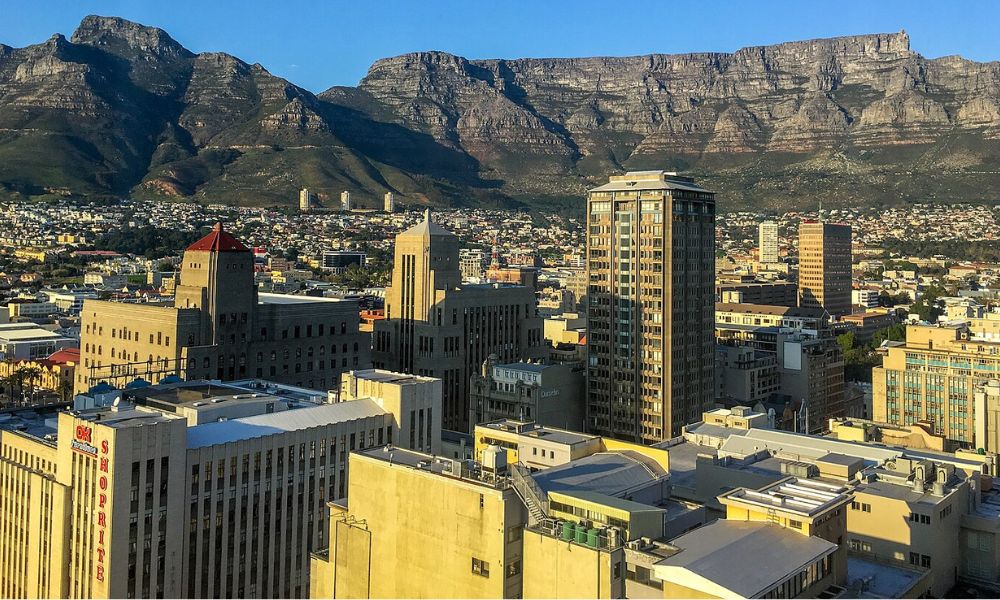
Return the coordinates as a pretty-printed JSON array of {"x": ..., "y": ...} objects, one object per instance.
[{"x": 324, "y": 43}]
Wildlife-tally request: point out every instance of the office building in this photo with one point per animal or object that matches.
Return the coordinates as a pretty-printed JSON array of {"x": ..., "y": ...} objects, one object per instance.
[
  {"x": 934, "y": 376},
  {"x": 772, "y": 293},
  {"x": 19, "y": 309},
  {"x": 472, "y": 261},
  {"x": 767, "y": 242},
  {"x": 825, "y": 267},
  {"x": 345, "y": 201},
  {"x": 70, "y": 301},
  {"x": 902, "y": 536},
  {"x": 492, "y": 528},
  {"x": 439, "y": 327},
  {"x": 549, "y": 394},
  {"x": 219, "y": 327},
  {"x": 651, "y": 266},
  {"x": 194, "y": 489},
  {"x": 389, "y": 202},
  {"x": 865, "y": 298},
  {"x": 27, "y": 341},
  {"x": 795, "y": 345},
  {"x": 338, "y": 261}
]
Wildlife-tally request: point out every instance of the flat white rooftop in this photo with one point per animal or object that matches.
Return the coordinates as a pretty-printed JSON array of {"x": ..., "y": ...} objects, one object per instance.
[
  {"x": 234, "y": 430},
  {"x": 290, "y": 299}
]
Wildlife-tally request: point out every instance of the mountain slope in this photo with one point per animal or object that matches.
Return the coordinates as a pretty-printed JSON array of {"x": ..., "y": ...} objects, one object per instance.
[{"x": 122, "y": 109}]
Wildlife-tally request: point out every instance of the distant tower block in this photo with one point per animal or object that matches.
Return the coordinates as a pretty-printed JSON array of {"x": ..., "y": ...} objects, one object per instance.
[
  {"x": 345, "y": 200},
  {"x": 767, "y": 242},
  {"x": 390, "y": 202},
  {"x": 306, "y": 200}
]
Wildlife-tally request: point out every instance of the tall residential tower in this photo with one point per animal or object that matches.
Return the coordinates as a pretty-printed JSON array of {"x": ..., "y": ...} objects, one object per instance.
[
  {"x": 651, "y": 342},
  {"x": 825, "y": 267},
  {"x": 767, "y": 242}
]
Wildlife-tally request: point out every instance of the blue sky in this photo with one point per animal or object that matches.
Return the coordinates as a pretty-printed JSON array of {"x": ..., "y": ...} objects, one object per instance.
[{"x": 320, "y": 44}]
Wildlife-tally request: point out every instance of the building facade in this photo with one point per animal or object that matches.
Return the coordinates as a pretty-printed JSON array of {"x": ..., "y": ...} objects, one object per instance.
[
  {"x": 191, "y": 490},
  {"x": 651, "y": 268},
  {"x": 935, "y": 376},
  {"x": 439, "y": 327},
  {"x": 825, "y": 267},
  {"x": 547, "y": 394},
  {"x": 219, "y": 327}
]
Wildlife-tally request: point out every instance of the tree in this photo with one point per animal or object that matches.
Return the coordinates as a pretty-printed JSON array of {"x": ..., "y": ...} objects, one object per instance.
[
  {"x": 895, "y": 333},
  {"x": 31, "y": 375},
  {"x": 928, "y": 308},
  {"x": 846, "y": 342},
  {"x": 7, "y": 383},
  {"x": 65, "y": 390}
]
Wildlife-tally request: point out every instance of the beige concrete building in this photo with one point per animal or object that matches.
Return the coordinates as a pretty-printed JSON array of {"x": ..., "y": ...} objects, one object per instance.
[
  {"x": 493, "y": 528},
  {"x": 219, "y": 327},
  {"x": 651, "y": 265},
  {"x": 825, "y": 266},
  {"x": 198, "y": 489},
  {"x": 439, "y": 327},
  {"x": 934, "y": 376}
]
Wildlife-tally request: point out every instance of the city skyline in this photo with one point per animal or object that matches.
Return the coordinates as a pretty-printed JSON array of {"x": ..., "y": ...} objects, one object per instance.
[{"x": 613, "y": 325}]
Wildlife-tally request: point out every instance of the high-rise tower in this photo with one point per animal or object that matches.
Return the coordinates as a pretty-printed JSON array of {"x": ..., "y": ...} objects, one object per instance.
[
  {"x": 767, "y": 242},
  {"x": 825, "y": 266},
  {"x": 651, "y": 269}
]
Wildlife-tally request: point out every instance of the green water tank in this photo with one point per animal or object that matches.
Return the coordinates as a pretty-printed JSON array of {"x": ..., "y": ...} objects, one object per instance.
[
  {"x": 593, "y": 537},
  {"x": 567, "y": 530},
  {"x": 581, "y": 534}
]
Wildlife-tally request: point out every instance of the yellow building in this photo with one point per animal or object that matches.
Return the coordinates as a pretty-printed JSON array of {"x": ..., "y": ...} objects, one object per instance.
[
  {"x": 195, "y": 489},
  {"x": 54, "y": 372},
  {"x": 462, "y": 531},
  {"x": 219, "y": 327},
  {"x": 933, "y": 377},
  {"x": 420, "y": 527}
]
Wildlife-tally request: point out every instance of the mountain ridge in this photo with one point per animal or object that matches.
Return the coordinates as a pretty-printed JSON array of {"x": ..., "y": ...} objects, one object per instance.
[{"x": 123, "y": 109}]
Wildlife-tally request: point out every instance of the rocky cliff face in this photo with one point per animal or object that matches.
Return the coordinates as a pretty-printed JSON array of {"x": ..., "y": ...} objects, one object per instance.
[{"x": 122, "y": 108}]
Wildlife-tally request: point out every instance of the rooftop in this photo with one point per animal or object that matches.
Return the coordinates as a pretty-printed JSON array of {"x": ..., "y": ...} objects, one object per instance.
[
  {"x": 23, "y": 332},
  {"x": 539, "y": 432},
  {"x": 426, "y": 228},
  {"x": 218, "y": 241},
  {"x": 717, "y": 554},
  {"x": 384, "y": 376},
  {"x": 221, "y": 432},
  {"x": 649, "y": 180},
  {"x": 806, "y": 497},
  {"x": 880, "y": 580},
  {"x": 523, "y": 366},
  {"x": 769, "y": 309},
  {"x": 263, "y": 298},
  {"x": 608, "y": 473}
]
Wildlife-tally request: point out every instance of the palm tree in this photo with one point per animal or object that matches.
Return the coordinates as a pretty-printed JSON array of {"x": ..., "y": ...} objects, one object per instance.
[
  {"x": 65, "y": 390},
  {"x": 31, "y": 375},
  {"x": 7, "y": 383},
  {"x": 17, "y": 377}
]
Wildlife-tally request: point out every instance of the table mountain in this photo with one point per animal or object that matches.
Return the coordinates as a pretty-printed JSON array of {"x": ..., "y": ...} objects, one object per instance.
[{"x": 122, "y": 109}]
